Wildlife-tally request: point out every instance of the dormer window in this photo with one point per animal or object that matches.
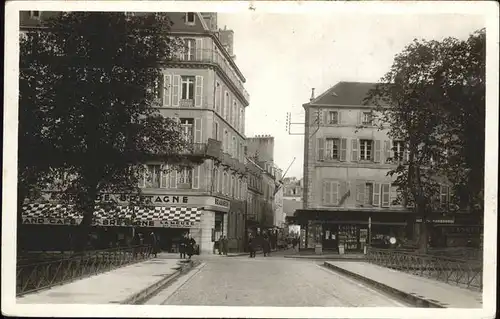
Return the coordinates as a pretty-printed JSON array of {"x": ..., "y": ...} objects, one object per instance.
[{"x": 190, "y": 18}]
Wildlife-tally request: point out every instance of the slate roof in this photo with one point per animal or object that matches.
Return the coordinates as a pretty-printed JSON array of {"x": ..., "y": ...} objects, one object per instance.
[{"x": 344, "y": 93}]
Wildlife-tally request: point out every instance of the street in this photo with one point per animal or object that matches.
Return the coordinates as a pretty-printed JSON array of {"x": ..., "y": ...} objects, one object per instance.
[{"x": 269, "y": 281}]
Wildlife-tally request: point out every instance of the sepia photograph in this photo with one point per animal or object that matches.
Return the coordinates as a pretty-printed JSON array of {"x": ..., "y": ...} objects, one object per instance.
[{"x": 265, "y": 159}]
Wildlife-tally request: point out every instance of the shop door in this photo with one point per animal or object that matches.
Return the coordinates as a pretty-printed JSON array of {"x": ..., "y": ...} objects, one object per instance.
[{"x": 330, "y": 237}]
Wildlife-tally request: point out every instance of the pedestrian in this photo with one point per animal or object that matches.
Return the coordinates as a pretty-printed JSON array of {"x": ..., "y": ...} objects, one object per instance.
[
  {"x": 190, "y": 246},
  {"x": 266, "y": 249},
  {"x": 252, "y": 242},
  {"x": 220, "y": 244},
  {"x": 224, "y": 245},
  {"x": 183, "y": 246},
  {"x": 154, "y": 244}
]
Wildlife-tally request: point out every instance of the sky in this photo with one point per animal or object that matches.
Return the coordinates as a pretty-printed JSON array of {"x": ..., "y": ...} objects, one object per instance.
[{"x": 284, "y": 55}]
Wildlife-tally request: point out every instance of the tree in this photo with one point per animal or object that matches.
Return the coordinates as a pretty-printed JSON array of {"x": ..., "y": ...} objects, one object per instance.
[
  {"x": 432, "y": 101},
  {"x": 87, "y": 87}
]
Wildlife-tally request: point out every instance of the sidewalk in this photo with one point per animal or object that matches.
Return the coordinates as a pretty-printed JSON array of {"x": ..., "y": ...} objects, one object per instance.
[
  {"x": 420, "y": 291},
  {"x": 124, "y": 285},
  {"x": 345, "y": 257}
]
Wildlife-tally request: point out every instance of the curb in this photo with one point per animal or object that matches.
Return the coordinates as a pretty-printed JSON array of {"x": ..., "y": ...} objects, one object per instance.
[
  {"x": 143, "y": 295},
  {"x": 319, "y": 257},
  {"x": 419, "y": 302}
]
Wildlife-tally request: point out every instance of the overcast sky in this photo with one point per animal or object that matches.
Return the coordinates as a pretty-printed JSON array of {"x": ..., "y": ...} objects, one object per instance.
[{"x": 284, "y": 55}]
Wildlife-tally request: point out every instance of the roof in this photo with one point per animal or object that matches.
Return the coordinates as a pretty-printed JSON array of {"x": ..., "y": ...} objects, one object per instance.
[{"x": 344, "y": 93}]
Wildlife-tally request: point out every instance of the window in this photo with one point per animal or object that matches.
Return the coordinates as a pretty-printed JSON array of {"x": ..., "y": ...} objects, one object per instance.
[
  {"x": 218, "y": 96},
  {"x": 234, "y": 147},
  {"x": 189, "y": 49},
  {"x": 367, "y": 118},
  {"x": 398, "y": 150},
  {"x": 187, "y": 87},
  {"x": 369, "y": 194},
  {"x": 332, "y": 148},
  {"x": 216, "y": 131},
  {"x": 225, "y": 110},
  {"x": 330, "y": 192},
  {"x": 444, "y": 196},
  {"x": 187, "y": 129},
  {"x": 365, "y": 147},
  {"x": 153, "y": 176},
  {"x": 184, "y": 176},
  {"x": 233, "y": 187},
  {"x": 333, "y": 117},
  {"x": 190, "y": 17},
  {"x": 386, "y": 195}
]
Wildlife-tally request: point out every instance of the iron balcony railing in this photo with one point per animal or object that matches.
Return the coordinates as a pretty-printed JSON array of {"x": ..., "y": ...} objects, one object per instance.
[
  {"x": 463, "y": 273},
  {"x": 194, "y": 149},
  {"x": 33, "y": 274},
  {"x": 213, "y": 57}
]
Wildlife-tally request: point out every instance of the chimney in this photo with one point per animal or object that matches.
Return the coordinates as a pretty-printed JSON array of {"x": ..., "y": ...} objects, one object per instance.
[{"x": 312, "y": 95}]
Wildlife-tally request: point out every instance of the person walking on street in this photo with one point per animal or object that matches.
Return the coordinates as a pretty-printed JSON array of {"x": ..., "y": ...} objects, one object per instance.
[
  {"x": 220, "y": 244},
  {"x": 191, "y": 243},
  {"x": 251, "y": 246},
  {"x": 224, "y": 245},
  {"x": 183, "y": 246},
  {"x": 154, "y": 244},
  {"x": 266, "y": 245}
]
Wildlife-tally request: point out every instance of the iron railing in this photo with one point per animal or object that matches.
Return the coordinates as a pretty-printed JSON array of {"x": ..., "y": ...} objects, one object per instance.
[
  {"x": 33, "y": 276},
  {"x": 460, "y": 272}
]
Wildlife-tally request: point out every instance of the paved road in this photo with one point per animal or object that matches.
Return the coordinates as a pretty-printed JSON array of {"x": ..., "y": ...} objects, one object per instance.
[{"x": 271, "y": 281}]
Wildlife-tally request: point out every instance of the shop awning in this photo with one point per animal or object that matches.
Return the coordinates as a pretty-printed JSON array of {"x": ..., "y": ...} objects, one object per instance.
[{"x": 163, "y": 216}]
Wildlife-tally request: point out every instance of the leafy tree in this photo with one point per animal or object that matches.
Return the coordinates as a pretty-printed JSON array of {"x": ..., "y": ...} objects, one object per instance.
[
  {"x": 86, "y": 123},
  {"x": 432, "y": 100}
]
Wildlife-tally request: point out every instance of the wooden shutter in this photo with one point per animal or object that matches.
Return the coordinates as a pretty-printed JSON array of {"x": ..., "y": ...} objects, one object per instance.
[
  {"x": 166, "y": 90},
  {"x": 164, "y": 176},
  {"x": 199, "y": 49},
  {"x": 406, "y": 154},
  {"x": 198, "y": 96},
  {"x": 197, "y": 130},
  {"x": 376, "y": 194},
  {"x": 142, "y": 177},
  {"x": 321, "y": 149},
  {"x": 325, "y": 118},
  {"x": 335, "y": 193},
  {"x": 386, "y": 189},
  {"x": 327, "y": 199},
  {"x": 360, "y": 193},
  {"x": 376, "y": 152},
  {"x": 173, "y": 177},
  {"x": 343, "y": 149},
  {"x": 387, "y": 151},
  {"x": 176, "y": 90},
  {"x": 354, "y": 150},
  {"x": 444, "y": 196},
  {"x": 339, "y": 117},
  {"x": 196, "y": 177},
  {"x": 220, "y": 179},
  {"x": 342, "y": 192},
  {"x": 360, "y": 117}
]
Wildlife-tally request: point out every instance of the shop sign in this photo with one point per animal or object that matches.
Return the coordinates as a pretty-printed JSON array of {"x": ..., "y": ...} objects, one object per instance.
[
  {"x": 51, "y": 221},
  {"x": 437, "y": 221},
  {"x": 144, "y": 199},
  {"x": 177, "y": 224},
  {"x": 221, "y": 202}
]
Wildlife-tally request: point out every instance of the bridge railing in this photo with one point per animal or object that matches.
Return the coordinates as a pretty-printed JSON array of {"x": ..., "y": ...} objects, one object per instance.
[
  {"x": 460, "y": 272},
  {"x": 33, "y": 276}
]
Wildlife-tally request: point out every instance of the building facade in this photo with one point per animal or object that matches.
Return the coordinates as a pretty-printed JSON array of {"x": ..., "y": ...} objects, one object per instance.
[
  {"x": 203, "y": 89},
  {"x": 347, "y": 194}
]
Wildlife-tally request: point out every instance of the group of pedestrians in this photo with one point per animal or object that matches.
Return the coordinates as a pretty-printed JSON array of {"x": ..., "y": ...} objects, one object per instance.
[
  {"x": 187, "y": 246},
  {"x": 151, "y": 240},
  {"x": 223, "y": 243},
  {"x": 263, "y": 241}
]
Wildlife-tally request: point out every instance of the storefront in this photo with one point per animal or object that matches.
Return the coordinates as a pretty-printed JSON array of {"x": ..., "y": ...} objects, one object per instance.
[
  {"x": 349, "y": 231},
  {"x": 118, "y": 217}
]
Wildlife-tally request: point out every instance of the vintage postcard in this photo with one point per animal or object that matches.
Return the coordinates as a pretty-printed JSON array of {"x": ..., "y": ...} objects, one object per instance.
[{"x": 262, "y": 159}]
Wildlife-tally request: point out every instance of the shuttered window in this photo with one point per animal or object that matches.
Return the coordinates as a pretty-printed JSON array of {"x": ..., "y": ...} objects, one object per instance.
[
  {"x": 331, "y": 192},
  {"x": 386, "y": 189}
]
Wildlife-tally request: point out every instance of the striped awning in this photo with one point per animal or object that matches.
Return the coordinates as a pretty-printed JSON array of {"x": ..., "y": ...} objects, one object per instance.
[{"x": 159, "y": 216}]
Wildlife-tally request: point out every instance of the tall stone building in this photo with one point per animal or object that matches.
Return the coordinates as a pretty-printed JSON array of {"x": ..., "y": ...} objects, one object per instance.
[{"x": 203, "y": 88}]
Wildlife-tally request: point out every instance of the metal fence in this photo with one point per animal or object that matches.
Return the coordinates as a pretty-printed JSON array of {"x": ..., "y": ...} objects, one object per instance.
[
  {"x": 461, "y": 272},
  {"x": 32, "y": 274}
]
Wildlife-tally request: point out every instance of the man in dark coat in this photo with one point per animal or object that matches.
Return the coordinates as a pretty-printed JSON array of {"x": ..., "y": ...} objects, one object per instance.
[
  {"x": 252, "y": 243},
  {"x": 153, "y": 241},
  {"x": 191, "y": 243},
  {"x": 224, "y": 245},
  {"x": 183, "y": 246},
  {"x": 266, "y": 245}
]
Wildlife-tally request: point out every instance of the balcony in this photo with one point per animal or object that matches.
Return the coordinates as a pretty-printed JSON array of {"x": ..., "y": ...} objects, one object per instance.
[
  {"x": 215, "y": 58},
  {"x": 212, "y": 149}
]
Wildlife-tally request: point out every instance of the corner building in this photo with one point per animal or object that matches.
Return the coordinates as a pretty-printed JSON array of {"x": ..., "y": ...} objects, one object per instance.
[
  {"x": 203, "y": 89},
  {"x": 347, "y": 195}
]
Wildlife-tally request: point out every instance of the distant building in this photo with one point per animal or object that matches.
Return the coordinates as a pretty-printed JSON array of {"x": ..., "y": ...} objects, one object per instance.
[{"x": 292, "y": 188}]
